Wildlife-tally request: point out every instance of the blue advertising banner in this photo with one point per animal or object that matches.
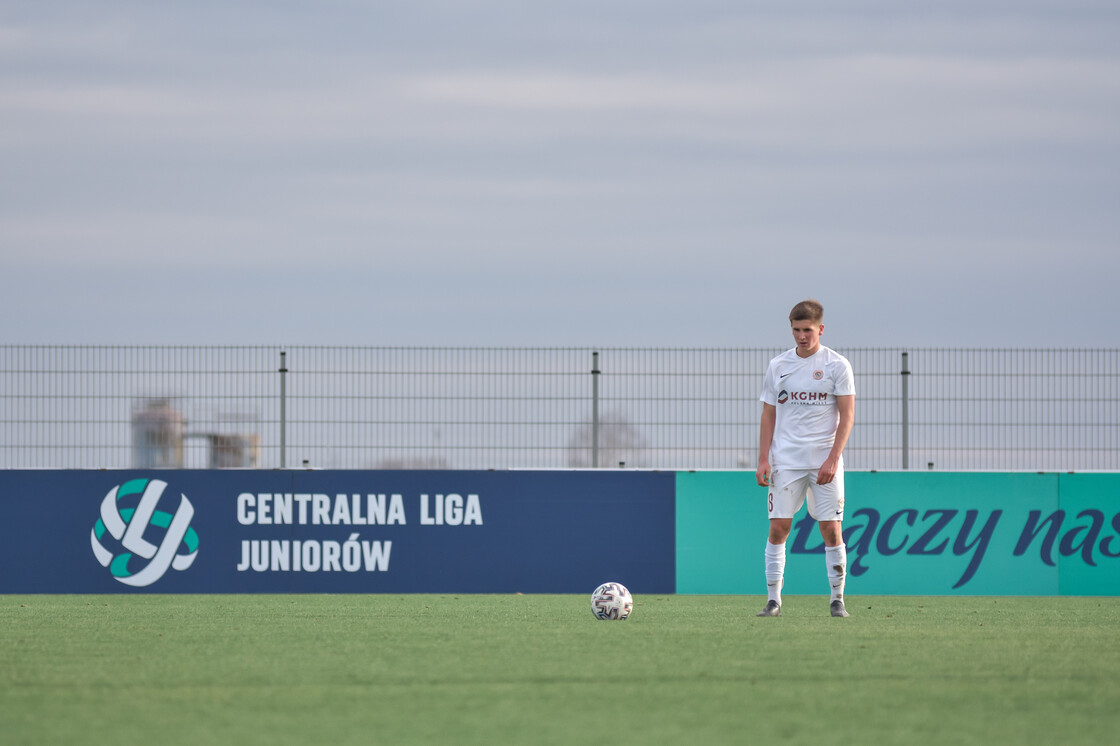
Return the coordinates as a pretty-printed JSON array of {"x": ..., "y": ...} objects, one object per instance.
[{"x": 256, "y": 531}]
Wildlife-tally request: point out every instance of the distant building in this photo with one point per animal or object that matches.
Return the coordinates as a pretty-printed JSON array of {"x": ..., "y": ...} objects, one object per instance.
[{"x": 157, "y": 435}]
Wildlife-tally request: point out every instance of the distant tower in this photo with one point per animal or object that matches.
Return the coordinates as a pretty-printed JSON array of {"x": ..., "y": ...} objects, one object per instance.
[{"x": 157, "y": 435}]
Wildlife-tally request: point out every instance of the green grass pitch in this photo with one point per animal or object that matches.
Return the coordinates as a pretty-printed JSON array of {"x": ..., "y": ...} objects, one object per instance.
[{"x": 539, "y": 669}]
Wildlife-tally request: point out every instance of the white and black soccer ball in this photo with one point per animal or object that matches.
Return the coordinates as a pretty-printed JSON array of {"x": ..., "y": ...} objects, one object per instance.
[{"x": 611, "y": 601}]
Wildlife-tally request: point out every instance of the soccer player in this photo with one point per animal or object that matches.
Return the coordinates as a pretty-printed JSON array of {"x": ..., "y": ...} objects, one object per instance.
[{"x": 808, "y": 408}]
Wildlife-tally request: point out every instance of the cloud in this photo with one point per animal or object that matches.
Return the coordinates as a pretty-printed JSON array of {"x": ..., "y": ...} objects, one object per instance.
[
  {"x": 862, "y": 100},
  {"x": 643, "y": 161}
]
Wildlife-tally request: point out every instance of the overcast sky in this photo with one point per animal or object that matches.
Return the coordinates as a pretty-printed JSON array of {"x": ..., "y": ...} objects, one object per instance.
[{"x": 559, "y": 174}]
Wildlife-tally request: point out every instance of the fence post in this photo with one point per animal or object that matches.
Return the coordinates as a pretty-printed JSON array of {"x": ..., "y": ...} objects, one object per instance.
[
  {"x": 283, "y": 409},
  {"x": 594, "y": 410},
  {"x": 906, "y": 410}
]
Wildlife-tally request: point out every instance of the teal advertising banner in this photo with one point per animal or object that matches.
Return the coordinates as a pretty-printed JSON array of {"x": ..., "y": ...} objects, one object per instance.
[
  {"x": 928, "y": 533},
  {"x": 1083, "y": 539}
]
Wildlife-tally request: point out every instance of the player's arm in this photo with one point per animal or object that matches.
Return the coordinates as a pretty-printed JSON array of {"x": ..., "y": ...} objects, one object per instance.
[
  {"x": 765, "y": 438},
  {"x": 846, "y": 406}
]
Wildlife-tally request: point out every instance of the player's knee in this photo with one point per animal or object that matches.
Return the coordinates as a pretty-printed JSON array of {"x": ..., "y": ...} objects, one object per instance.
[
  {"x": 832, "y": 532},
  {"x": 779, "y": 530}
]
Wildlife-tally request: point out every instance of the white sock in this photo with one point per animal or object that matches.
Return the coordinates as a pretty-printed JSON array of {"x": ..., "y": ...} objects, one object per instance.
[
  {"x": 837, "y": 560},
  {"x": 775, "y": 571}
]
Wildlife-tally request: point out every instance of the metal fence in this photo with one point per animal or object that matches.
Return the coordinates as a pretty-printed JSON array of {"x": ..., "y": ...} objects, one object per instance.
[{"x": 480, "y": 408}]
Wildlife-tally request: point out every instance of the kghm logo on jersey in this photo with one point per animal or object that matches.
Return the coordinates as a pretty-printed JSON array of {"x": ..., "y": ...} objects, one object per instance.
[
  {"x": 803, "y": 397},
  {"x": 141, "y": 532}
]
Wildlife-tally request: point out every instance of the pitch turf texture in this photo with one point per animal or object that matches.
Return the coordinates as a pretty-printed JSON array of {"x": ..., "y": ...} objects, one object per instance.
[{"x": 539, "y": 669}]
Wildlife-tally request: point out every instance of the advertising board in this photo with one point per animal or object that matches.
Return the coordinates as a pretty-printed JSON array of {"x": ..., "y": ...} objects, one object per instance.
[{"x": 256, "y": 531}]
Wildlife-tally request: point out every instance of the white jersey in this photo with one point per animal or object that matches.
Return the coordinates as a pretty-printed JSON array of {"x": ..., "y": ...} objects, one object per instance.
[{"x": 803, "y": 392}]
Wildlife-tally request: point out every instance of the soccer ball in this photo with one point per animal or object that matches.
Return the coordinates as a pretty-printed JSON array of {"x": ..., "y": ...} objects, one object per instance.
[{"x": 611, "y": 601}]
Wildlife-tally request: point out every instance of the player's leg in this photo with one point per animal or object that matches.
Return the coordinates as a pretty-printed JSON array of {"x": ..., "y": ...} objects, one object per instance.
[
  {"x": 787, "y": 493},
  {"x": 826, "y": 504},
  {"x": 776, "y": 564},
  {"x": 836, "y": 564}
]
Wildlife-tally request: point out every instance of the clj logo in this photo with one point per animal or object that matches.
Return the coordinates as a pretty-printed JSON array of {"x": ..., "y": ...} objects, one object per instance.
[{"x": 133, "y": 524}]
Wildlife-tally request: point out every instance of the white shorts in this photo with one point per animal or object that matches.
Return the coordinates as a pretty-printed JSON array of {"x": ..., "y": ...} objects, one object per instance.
[{"x": 790, "y": 487}]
